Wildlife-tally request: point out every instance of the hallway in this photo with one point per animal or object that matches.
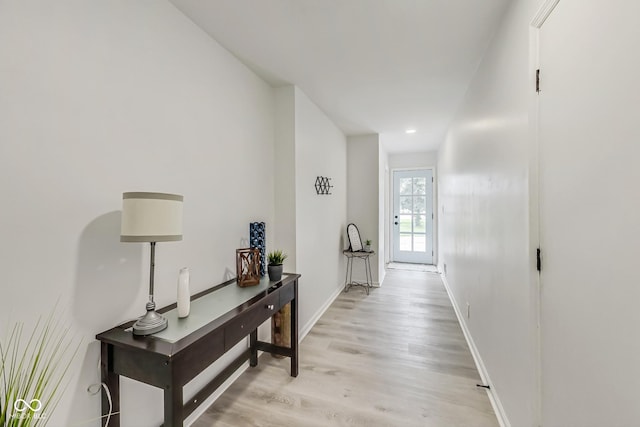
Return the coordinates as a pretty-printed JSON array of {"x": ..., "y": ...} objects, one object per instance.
[{"x": 394, "y": 358}]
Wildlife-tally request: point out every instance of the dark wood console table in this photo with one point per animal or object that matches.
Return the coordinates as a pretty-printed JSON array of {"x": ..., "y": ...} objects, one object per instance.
[{"x": 220, "y": 318}]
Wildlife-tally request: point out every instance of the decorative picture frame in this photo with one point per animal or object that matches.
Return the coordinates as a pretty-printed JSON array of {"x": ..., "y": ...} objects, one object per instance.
[{"x": 248, "y": 266}]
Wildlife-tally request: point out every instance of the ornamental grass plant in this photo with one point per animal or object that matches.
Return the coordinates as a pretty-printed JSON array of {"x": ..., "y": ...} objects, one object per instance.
[{"x": 33, "y": 367}]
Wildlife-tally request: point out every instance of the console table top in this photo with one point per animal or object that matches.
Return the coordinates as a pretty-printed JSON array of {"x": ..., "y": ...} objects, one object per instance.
[{"x": 209, "y": 309}]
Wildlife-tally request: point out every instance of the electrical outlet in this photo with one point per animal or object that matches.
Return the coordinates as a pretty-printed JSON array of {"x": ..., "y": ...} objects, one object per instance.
[{"x": 468, "y": 310}]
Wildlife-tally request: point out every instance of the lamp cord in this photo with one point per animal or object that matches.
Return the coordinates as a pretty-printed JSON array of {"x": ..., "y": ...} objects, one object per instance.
[{"x": 92, "y": 390}]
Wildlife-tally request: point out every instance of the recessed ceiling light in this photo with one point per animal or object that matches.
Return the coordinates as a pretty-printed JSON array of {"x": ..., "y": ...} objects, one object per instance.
[{"x": 410, "y": 131}]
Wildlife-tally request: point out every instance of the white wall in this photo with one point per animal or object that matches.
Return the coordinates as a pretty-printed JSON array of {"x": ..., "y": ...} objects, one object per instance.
[
  {"x": 285, "y": 176},
  {"x": 320, "y": 150},
  {"x": 383, "y": 212},
  {"x": 484, "y": 222},
  {"x": 363, "y": 207},
  {"x": 421, "y": 159},
  {"x": 99, "y": 98}
]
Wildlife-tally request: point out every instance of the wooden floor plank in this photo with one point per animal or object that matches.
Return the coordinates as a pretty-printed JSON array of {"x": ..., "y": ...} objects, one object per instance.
[{"x": 396, "y": 357}]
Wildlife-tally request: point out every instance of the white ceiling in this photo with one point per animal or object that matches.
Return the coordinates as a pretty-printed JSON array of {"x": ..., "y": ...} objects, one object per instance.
[{"x": 373, "y": 66}]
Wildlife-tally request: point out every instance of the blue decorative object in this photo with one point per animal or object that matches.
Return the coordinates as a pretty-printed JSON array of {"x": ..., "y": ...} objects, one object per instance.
[{"x": 257, "y": 239}]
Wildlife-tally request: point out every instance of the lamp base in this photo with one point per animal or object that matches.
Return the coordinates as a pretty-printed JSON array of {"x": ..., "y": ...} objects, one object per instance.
[{"x": 150, "y": 323}]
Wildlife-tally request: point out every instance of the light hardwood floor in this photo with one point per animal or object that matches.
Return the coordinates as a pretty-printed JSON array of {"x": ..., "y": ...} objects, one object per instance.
[{"x": 396, "y": 357}]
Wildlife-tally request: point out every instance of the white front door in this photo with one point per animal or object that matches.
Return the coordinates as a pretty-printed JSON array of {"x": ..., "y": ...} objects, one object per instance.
[
  {"x": 589, "y": 136},
  {"x": 413, "y": 216}
]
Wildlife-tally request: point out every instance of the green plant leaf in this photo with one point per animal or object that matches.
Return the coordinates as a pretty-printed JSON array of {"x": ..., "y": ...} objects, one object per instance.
[
  {"x": 34, "y": 371},
  {"x": 276, "y": 257}
]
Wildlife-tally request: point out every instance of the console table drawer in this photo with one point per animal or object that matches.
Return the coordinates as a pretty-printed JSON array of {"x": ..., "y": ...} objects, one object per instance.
[
  {"x": 250, "y": 319},
  {"x": 287, "y": 293},
  {"x": 201, "y": 354}
]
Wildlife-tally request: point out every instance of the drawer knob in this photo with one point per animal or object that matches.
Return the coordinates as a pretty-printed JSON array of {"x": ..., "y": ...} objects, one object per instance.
[{"x": 270, "y": 306}]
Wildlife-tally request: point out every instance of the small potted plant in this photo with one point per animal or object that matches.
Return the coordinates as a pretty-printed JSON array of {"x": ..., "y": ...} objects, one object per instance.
[
  {"x": 275, "y": 258},
  {"x": 367, "y": 245}
]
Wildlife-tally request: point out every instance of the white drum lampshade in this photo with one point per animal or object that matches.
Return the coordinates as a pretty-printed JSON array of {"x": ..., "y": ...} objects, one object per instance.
[{"x": 151, "y": 217}]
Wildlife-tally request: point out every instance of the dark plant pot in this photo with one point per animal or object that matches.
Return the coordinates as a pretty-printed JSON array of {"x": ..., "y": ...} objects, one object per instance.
[{"x": 275, "y": 272}]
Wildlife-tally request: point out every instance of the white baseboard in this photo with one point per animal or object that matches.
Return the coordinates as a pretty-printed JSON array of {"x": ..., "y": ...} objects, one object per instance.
[
  {"x": 484, "y": 375},
  {"x": 310, "y": 324}
]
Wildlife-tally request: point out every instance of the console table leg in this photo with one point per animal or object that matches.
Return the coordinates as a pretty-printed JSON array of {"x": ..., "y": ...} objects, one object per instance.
[
  {"x": 253, "y": 339},
  {"x": 112, "y": 381},
  {"x": 173, "y": 406},
  {"x": 294, "y": 332}
]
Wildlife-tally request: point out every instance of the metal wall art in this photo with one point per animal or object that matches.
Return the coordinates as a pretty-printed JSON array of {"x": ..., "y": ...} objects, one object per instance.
[
  {"x": 323, "y": 185},
  {"x": 257, "y": 239},
  {"x": 248, "y": 267}
]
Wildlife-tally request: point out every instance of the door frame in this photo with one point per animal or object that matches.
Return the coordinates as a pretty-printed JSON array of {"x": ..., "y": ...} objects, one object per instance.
[
  {"x": 543, "y": 12},
  {"x": 389, "y": 219}
]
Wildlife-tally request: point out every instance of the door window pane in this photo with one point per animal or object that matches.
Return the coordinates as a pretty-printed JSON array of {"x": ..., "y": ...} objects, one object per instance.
[
  {"x": 419, "y": 223},
  {"x": 405, "y": 242},
  {"x": 405, "y": 223},
  {"x": 406, "y": 204},
  {"x": 419, "y": 204},
  {"x": 419, "y": 185},
  {"x": 405, "y": 186},
  {"x": 419, "y": 242}
]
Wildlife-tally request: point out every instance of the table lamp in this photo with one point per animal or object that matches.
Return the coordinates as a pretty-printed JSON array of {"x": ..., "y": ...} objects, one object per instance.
[{"x": 151, "y": 217}]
